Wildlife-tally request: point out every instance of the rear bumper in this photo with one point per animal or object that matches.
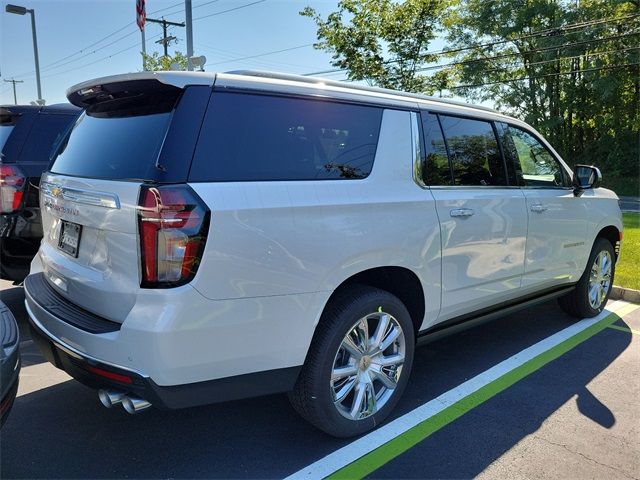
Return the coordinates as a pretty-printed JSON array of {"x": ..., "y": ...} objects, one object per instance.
[
  {"x": 96, "y": 374},
  {"x": 9, "y": 361},
  {"x": 175, "y": 349}
]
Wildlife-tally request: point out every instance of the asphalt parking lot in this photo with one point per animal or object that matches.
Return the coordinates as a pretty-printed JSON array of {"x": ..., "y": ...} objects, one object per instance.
[{"x": 575, "y": 415}]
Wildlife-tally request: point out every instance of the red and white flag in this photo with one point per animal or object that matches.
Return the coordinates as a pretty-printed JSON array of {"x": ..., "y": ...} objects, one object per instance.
[{"x": 141, "y": 14}]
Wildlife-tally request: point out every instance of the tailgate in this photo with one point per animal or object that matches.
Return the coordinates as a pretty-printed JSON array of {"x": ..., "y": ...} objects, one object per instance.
[{"x": 132, "y": 133}]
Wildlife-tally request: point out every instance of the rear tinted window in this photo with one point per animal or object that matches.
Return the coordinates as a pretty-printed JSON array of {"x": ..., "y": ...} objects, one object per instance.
[
  {"x": 476, "y": 159},
  {"x": 248, "y": 137},
  {"x": 46, "y": 133},
  {"x": 119, "y": 137}
]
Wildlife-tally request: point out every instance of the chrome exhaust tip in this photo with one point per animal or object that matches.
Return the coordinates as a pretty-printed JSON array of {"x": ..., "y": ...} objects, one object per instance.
[
  {"x": 135, "y": 404},
  {"x": 109, "y": 398}
]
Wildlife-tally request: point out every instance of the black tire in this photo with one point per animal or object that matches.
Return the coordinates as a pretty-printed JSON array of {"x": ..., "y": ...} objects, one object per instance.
[
  {"x": 576, "y": 303},
  {"x": 311, "y": 396}
]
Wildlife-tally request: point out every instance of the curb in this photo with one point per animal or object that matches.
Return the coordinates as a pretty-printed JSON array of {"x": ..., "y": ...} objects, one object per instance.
[{"x": 627, "y": 294}]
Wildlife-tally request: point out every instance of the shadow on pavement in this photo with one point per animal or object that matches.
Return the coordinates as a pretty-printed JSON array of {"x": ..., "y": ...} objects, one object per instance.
[
  {"x": 63, "y": 431},
  {"x": 466, "y": 447}
]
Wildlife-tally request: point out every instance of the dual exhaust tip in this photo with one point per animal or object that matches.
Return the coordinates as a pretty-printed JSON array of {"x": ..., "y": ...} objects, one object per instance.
[{"x": 131, "y": 403}]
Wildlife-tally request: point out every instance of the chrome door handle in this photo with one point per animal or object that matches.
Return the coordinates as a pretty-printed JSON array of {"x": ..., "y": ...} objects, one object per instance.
[
  {"x": 539, "y": 208},
  {"x": 461, "y": 212}
]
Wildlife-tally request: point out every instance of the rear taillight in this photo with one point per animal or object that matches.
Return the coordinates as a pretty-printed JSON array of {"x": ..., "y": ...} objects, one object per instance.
[
  {"x": 12, "y": 182},
  {"x": 173, "y": 223}
]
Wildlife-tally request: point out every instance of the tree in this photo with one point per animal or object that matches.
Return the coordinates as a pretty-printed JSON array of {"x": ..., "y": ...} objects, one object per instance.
[
  {"x": 382, "y": 41},
  {"x": 566, "y": 68},
  {"x": 155, "y": 61}
]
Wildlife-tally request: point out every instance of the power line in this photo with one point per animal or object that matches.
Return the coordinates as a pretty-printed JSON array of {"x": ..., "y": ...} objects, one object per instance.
[
  {"x": 229, "y": 56},
  {"x": 82, "y": 50},
  {"x": 57, "y": 63},
  {"x": 182, "y": 9},
  {"x": 262, "y": 54},
  {"x": 100, "y": 59},
  {"x": 89, "y": 53},
  {"x": 538, "y": 33},
  {"x": 554, "y": 60},
  {"x": 611, "y": 67},
  {"x": 229, "y": 10},
  {"x": 515, "y": 54}
]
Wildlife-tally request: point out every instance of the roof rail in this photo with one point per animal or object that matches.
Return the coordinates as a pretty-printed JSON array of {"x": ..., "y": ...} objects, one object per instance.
[{"x": 365, "y": 88}]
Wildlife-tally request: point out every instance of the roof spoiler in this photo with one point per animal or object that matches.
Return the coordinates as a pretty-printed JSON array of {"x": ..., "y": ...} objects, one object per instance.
[{"x": 114, "y": 87}]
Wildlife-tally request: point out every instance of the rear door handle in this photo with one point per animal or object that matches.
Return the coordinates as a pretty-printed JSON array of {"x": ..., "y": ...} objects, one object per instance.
[
  {"x": 539, "y": 208},
  {"x": 461, "y": 212}
]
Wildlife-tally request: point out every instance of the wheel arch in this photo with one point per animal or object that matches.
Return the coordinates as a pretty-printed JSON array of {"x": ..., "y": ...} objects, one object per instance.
[
  {"x": 613, "y": 235},
  {"x": 399, "y": 281}
]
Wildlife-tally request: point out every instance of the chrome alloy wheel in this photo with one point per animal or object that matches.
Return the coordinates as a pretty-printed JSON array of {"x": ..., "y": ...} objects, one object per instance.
[
  {"x": 367, "y": 366},
  {"x": 600, "y": 279}
]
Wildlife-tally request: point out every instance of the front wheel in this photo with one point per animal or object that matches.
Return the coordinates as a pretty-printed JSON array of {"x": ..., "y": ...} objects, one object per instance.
[
  {"x": 590, "y": 296},
  {"x": 358, "y": 362}
]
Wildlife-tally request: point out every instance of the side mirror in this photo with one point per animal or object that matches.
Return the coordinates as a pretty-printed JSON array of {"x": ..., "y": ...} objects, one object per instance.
[{"x": 584, "y": 177}]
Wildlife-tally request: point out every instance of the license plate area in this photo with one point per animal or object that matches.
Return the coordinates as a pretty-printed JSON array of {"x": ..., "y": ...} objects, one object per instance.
[{"x": 69, "y": 241}]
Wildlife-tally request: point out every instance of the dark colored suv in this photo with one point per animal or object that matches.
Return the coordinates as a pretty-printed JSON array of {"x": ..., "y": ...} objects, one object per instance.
[{"x": 28, "y": 134}]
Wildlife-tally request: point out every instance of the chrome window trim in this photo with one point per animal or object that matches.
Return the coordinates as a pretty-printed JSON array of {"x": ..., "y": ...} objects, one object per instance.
[{"x": 418, "y": 167}]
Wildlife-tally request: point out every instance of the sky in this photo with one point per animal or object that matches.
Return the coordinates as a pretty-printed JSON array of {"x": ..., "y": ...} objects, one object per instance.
[{"x": 67, "y": 29}]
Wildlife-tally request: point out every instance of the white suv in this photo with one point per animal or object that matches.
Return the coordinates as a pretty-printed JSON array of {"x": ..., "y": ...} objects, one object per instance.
[{"x": 216, "y": 236}]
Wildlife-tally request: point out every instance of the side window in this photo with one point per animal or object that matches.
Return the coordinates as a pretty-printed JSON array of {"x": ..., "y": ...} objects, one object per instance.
[
  {"x": 247, "y": 137},
  {"x": 46, "y": 133},
  {"x": 535, "y": 165},
  {"x": 437, "y": 171},
  {"x": 476, "y": 158}
]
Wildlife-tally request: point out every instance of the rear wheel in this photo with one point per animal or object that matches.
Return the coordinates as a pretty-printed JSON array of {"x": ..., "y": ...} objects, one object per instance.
[
  {"x": 590, "y": 296},
  {"x": 358, "y": 362}
]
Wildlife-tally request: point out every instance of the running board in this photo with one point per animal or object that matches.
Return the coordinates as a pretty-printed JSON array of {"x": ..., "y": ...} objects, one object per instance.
[{"x": 458, "y": 324}]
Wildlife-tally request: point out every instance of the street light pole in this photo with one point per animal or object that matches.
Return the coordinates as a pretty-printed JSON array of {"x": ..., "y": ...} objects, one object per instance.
[
  {"x": 189, "y": 22},
  {"x": 35, "y": 51},
  {"x": 18, "y": 10}
]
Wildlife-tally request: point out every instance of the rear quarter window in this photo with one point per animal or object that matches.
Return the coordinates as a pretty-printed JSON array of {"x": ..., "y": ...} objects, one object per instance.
[
  {"x": 47, "y": 132},
  {"x": 252, "y": 137}
]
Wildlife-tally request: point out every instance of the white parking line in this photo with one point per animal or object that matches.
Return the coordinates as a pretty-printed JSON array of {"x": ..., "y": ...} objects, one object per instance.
[{"x": 366, "y": 444}]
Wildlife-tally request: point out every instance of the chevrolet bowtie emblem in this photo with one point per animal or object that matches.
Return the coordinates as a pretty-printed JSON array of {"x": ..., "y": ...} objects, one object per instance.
[{"x": 56, "y": 192}]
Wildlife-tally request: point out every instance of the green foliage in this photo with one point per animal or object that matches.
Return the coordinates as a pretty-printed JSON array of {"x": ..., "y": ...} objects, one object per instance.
[
  {"x": 629, "y": 265},
  {"x": 568, "y": 83},
  {"x": 382, "y": 41},
  {"x": 156, "y": 62},
  {"x": 573, "y": 83}
]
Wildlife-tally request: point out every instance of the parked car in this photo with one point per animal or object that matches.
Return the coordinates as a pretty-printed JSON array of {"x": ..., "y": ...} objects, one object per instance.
[
  {"x": 27, "y": 136},
  {"x": 211, "y": 237},
  {"x": 9, "y": 361}
]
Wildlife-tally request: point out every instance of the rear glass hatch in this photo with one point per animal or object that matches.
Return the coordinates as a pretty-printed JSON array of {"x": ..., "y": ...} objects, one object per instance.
[{"x": 134, "y": 137}]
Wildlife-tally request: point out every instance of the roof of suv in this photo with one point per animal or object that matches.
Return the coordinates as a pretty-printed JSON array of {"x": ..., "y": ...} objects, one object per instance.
[
  {"x": 55, "y": 108},
  {"x": 262, "y": 80}
]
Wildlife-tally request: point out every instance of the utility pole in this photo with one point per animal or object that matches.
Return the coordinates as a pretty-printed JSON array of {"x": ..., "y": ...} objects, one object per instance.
[
  {"x": 165, "y": 40},
  {"x": 15, "y": 97}
]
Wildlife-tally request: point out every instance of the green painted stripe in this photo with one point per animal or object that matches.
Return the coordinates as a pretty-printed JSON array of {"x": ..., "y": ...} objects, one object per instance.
[
  {"x": 625, "y": 329},
  {"x": 390, "y": 450}
]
